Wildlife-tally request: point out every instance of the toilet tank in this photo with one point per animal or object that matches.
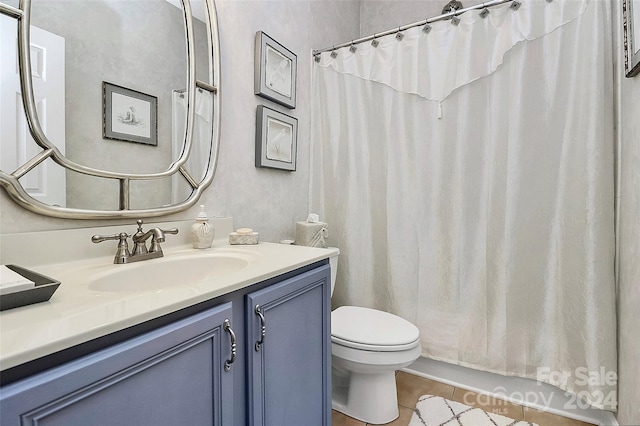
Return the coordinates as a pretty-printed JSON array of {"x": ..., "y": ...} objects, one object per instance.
[{"x": 333, "y": 262}]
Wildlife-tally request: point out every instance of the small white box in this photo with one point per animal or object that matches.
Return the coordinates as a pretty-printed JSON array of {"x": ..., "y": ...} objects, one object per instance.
[{"x": 243, "y": 239}]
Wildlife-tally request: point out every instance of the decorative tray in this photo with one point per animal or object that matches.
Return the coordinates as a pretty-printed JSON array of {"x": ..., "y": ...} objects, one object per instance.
[{"x": 44, "y": 289}]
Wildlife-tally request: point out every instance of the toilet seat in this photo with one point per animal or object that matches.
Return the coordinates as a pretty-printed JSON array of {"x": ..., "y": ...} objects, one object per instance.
[{"x": 372, "y": 330}]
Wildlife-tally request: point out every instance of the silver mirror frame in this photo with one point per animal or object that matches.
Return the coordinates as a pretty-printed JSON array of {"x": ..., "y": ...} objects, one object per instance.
[{"x": 10, "y": 182}]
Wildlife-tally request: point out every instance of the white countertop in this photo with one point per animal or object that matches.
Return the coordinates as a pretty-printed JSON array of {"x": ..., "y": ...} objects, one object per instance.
[{"x": 76, "y": 314}]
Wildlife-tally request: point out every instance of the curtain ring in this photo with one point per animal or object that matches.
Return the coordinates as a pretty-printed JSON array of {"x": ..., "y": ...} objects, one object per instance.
[
  {"x": 334, "y": 54},
  {"x": 353, "y": 47},
  {"x": 427, "y": 27},
  {"x": 374, "y": 42},
  {"x": 455, "y": 20},
  {"x": 399, "y": 35}
]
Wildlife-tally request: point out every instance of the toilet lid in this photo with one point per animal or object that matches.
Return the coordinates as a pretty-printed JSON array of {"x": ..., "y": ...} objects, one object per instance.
[{"x": 370, "y": 327}]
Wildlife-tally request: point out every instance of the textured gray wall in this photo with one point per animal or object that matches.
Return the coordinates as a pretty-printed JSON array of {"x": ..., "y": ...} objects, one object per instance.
[
  {"x": 378, "y": 16},
  {"x": 268, "y": 200}
]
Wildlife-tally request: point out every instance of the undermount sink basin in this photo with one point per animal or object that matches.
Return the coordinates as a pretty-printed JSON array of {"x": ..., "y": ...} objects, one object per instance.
[{"x": 168, "y": 272}]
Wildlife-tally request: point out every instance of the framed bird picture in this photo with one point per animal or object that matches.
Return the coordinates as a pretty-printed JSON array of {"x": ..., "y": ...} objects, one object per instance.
[
  {"x": 276, "y": 139},
  {"x": 275, "y": 71}
]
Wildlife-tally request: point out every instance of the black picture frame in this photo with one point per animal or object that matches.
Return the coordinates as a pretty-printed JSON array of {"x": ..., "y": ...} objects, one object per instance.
[{"x": 129, "y": 115}]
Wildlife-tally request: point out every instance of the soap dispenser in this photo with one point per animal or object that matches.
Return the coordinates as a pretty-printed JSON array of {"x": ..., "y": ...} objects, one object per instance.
[{"x": 202, "y": 232}]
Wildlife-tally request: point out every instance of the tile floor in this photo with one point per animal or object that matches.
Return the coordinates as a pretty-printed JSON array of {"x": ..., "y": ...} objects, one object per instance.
[{"x": 411, "y": 387}]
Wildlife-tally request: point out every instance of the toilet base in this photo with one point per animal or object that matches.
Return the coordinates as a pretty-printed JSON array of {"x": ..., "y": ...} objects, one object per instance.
[{"x": 370, "y": 398}]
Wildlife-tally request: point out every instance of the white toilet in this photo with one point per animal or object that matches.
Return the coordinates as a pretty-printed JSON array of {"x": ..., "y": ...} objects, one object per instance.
[{"x": 367, "y": 347}]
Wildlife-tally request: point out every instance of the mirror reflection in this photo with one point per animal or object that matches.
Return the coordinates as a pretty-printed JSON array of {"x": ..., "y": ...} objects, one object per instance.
[{"x": 137, "y": 50}]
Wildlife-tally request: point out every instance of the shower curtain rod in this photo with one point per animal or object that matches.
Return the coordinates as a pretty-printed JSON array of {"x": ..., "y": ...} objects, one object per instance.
[{"x": 515, "y": 5}]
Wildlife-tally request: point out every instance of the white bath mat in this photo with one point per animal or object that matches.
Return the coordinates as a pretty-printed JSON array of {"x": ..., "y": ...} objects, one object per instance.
[{"x": 436, "y": 411}]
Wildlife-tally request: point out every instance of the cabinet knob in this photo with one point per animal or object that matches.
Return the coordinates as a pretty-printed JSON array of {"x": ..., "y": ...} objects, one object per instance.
[
  {"x": 234, "y": 347},
  {"x": 263, "y": 328}
]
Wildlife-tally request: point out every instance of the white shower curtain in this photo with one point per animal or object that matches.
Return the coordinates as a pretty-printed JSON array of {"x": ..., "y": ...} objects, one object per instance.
[
  {"x": 476, "y": 200},
  {"x": 200, "y": 145}
]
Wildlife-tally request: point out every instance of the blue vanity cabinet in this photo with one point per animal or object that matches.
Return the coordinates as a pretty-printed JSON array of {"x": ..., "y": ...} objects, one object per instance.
[
  {"x": 288, "y": 351},
  {"x": 173, "y": 375},
  {"x": 171, "y": 370}
]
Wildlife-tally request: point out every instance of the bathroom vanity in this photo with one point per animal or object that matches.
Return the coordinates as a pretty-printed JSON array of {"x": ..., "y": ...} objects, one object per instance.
[
  {"x": 248, "y": 346},
  {"x": 227, "y": 335}
]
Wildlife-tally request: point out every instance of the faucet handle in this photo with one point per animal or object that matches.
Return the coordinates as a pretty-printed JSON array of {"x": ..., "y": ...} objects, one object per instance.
[
  {"x": 100, "y": 238},
  {"x": 172, "y": 231},
  {"x": 123, "y": 246},
  {"x": 158, "y": 237}
]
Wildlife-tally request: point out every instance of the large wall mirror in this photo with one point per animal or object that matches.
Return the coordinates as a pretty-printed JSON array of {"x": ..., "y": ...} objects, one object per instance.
[{"x": 108, "y": 108}]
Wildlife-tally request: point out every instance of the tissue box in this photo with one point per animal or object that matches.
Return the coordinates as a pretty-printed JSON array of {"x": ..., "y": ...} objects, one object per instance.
[
  {"x": 312, "y": 234},
  {"x": 43, "y": 290}
]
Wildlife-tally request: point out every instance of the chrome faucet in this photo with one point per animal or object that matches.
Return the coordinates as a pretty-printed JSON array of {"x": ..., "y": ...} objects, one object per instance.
[{"x": 140, "y": 251}]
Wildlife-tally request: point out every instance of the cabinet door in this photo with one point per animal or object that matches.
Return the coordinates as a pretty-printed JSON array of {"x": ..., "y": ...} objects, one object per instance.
[
  {"x": 289, "y": 375},
  {"x": 171, "y": 376}
]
